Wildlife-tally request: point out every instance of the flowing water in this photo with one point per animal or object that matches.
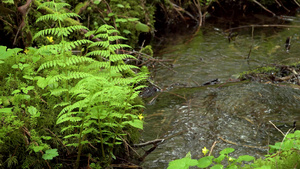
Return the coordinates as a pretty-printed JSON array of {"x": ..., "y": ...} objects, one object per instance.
[{"x": 190, "y": 116}]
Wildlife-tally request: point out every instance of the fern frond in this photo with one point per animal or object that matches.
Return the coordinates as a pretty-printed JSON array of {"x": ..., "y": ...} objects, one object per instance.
[
  {"x": 64, "y": 31},
  {"x": 71, "y": 45},
  {"x": 104, "y": 44},
  {"x": 61, "y": 104},
  {"x": 118, "y": 57},
  {"x": 73, "y": 60},
  {"x": 51, "y": 63},
  {"x": 69, "y": 108},
  {"x": 98, "y": 65},
  {"x": 53, "y": 5},
  {"x": 103, "y": 53},
  {"x": 68, "y": 128},
  {"x": 77, "y": 75},
  {"x": 114, "y": 47},
  {"x": 57, "y": 16},
  {"x": 114, "y": 38},
  {"x": 58, "y": 92},
  {"x": 101, "y": 36},
  {"x": 72, "y": 135},
  {"x": 120, "y": 68},
  {"x": 49, "y": 31},
  {"x": 63, "y": 63},
  {"x": 112, "y": 31}
]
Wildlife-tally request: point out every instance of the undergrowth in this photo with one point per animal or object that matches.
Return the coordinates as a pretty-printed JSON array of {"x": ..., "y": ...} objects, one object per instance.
[
  {"x": 285, "y": 154},
  {"x": 60, "y": 110}
]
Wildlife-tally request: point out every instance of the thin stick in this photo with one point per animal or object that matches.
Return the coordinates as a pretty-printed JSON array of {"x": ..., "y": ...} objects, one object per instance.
[
  {"x": 264, "y": 7},
  {"x": 297, "y": 3},
  {"x": 252, "y": 41},
  {"x": 265, "y": 26},
  {"x": 212, "y": 147},
  {"x": 277, "y": 128}
]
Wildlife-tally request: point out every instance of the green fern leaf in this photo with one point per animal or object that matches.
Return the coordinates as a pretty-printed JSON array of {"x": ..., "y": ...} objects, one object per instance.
[
  {"x": 114, "y": 38},
  {"x": 72, "y": 135},
  {"x": 104, "y": 44},
  {"x": 53, "y": 5},
  {"x": 102, "y": 53},
  {"x": 118, "y": 57},
  {"x": 58, "y": 92},
  {"x": 71, "y": 45},
  {"x": 98, "y": 65}
]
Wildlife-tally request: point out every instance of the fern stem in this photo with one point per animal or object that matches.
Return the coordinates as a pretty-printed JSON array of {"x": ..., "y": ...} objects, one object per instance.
[
  {"x": 79, "y": 141},
  {"x": 99, "y": 124}
]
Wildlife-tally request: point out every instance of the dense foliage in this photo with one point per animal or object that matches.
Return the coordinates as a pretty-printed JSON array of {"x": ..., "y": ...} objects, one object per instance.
[{"x": 57, "y": 108}]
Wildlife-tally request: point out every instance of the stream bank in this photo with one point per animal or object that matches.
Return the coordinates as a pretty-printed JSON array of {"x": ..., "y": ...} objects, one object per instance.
[{"x": 190, "y": 116}]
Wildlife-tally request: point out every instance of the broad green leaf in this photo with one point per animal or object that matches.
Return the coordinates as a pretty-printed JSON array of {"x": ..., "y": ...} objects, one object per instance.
[
  {"x": 50, "y": 154},
  {"x": 183, "y": 163},
  {"x": 132, "y": 19},
  {"x": 264, "y": 167},
  {"x": 205, "y": 161},
  {"x": 220, "y": 158},
  {"x": 120, "y": 6},
  {"x": 232, "y": 167},
  {"x": 245, "y": 158},
  {"x": 6, "y": 110},
  {"x": 142, "y": 27},
  {"x": 227, "y": 151},
  {"x": 135, "y": 123},
  {"x": 218, "y": 166},
  {"x": 126, "y": 31}
]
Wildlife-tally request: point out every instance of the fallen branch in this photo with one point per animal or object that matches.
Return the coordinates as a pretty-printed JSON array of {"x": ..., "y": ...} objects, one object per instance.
[
  {"x": 156, "y": 141},
  {"x": 264, "y": 26}
]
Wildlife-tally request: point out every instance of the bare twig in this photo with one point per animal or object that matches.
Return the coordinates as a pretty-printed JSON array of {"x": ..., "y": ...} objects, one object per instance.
[
  {"x": 156, "y": 141},
  {"x": 264, "y": 7},
  {"x": 277, "y": 128},
  {"x": 297, "y": 3},
  {"x": 264, "y": 26},
  {"x": 212, "y": 147}
]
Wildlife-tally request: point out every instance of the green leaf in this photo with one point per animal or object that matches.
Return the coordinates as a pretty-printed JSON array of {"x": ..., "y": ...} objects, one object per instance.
[
  {"x": 135, "y": 123},
  {"x": 142, "y": 27},
  {"x": 50, "y": 154},
  {"x": 126, "y": 31},
  {"x": 8, "y": 1},
  {"x": 220, "y": 158},
  {"x": 183, "y": 163},
  {"x": 205, "y": 161},
  {"x": 16, "y": 91},
  {"x": 32, "y": 110},
  {"x": 264, "y": 167},
  {"x": 245, "y": 158},
  {"x": 121, "y": 20},
  {"x": 6, "y": 110},
  {"x": 42, "y": 82},
  {"x": 46, "y": 137},
  {"x": 227, "y": 151},
  {"x": 132, "y": 19},
  {"x": 218, "y": 166},
  {"x": 232, "y": 167},
  {"x": 120, "y": 6}
]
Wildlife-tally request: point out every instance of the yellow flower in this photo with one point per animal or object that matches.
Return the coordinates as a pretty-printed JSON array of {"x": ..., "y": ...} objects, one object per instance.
[
  {"x": 205, "y": 150},
  {"x": 231, "y": 159},
  {"x": 50, "y": 39},
  {"x": 141, "y": 117},
  {"x": 26, "y": 51}
]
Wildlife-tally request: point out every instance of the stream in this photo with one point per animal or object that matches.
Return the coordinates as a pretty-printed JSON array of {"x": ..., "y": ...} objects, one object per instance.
[{"x": 190, "y": 116}]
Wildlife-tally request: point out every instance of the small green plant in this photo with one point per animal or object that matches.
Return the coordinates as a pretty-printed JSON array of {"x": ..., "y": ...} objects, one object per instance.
[
  {"x": 286, "y": 154},
  {"x": 214, "y": 162}
]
